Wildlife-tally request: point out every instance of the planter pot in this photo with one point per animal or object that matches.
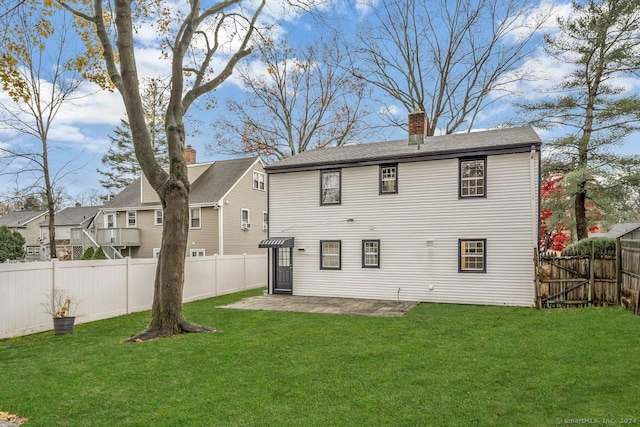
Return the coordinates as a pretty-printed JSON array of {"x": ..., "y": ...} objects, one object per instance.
[{"x": 63, "y": 325}]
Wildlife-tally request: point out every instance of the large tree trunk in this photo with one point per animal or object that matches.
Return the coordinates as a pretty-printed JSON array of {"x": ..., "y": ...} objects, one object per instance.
[
  {"x": 582, "y": 232},
  {"x": 166, "y": 313}
]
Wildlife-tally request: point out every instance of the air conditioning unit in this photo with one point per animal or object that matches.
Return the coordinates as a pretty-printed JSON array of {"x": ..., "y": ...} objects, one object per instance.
[{"x": 245, "y": 226}]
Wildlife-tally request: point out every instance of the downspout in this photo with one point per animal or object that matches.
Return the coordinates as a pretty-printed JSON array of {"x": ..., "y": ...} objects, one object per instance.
[{"x": 220, "y": 227}]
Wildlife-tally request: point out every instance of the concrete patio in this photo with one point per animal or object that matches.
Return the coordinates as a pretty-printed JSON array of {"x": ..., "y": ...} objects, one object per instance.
[{"x": 324, "y": 305}]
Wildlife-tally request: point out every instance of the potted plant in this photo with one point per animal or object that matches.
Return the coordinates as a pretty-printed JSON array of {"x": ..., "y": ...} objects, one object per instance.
[{"x": 60, "y": 305}]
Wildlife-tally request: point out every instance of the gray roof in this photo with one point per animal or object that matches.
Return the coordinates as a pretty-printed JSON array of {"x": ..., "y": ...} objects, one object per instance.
[
  {"x": 76, "y": 215},
  {"x": 209, "y": 187},
  {"x": 621, "y": 229},
  {"x": 496, "y": 141},
  {"x": 19, "y": 219}
]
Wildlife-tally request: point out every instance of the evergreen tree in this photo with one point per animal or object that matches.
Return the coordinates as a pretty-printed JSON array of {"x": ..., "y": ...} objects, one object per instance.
[
  {"x": 120, "y": 164},
  {"x": 11, "y": 244},
  {"x": 600, "y": 41}
]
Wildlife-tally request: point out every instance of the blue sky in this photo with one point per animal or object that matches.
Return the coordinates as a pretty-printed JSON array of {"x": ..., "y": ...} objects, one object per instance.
[{"x": 80, "y": 133}]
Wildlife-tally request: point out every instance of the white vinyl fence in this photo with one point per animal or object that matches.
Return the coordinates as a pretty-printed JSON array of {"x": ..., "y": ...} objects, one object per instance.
[{"x": 112, "y": 288}]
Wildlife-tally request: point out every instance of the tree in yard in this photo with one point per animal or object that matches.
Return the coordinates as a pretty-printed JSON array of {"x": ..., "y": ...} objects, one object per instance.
[
  {"x": 11, "y": 244},
  {"x": 593, "y": 107},
  {"x": 193, "y": 37},
  {"x": 39, "y": 77},
  {"x": 120, "y": 164},
  {"x": 448, "y": 58},
  {"x": 305, "y": 100}
]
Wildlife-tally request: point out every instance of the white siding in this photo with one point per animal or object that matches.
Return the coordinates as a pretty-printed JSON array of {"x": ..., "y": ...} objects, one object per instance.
[{"x": 426, "y": 207}]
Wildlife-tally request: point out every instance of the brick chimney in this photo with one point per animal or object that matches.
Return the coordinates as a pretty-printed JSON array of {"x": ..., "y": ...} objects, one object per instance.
[
  {"x": 190, "y": 155},
  {"x": 417, "y": 121}
]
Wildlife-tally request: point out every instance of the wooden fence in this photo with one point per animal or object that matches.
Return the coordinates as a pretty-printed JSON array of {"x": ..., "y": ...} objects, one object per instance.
[
  {"x": 610, "y": 278},
  {"x": 629, "y": 277}
]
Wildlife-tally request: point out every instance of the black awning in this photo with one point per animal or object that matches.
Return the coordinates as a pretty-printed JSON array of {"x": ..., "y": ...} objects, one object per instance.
[{"x": 277, "y": 242}]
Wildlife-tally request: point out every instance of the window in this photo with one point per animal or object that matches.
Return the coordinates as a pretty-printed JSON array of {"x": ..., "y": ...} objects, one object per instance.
[
  {"x": 196, "y": 252},
  {"x": 33, "y": 250},
  {"x": 258, "y": 180},
  {"x": 194, "y": 218},
  {"x": 109, "y": 220},
  {"x": 330, "y": 187},
  {"x": 370, "y": 253},
  {"x": 473, "y": 177},
  {"x": 330, "y": 255},
  {"x": 265, "y": 221},
  {"x": 245, "y": 222},
  {"x": 132, "y": 219},
  {"x": 156, "y": 253},
  {"x": 158, "y": 216},
  {"x": 388, "y": 179},
  {"x": 472, "y": 255}
]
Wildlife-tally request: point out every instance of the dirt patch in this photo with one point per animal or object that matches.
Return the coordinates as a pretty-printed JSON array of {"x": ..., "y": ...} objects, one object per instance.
[{"x": 10, "y": 420}]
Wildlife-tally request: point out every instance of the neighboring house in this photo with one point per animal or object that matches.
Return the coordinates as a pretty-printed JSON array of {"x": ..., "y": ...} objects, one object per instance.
[
  {"x": 624, "y": 230},
  {"x": 227, "y": 208},
  {"x": 450, "y": 219},
  {"x": 27, "y": 224},
  {"x": 74, "y": 218}
]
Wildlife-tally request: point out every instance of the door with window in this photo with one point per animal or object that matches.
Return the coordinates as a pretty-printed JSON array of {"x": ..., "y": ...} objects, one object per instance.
[{"x": 284, "y": 270}]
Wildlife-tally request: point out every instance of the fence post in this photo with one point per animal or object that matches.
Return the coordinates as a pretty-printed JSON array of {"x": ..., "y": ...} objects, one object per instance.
[
  {"x": 618, "y": 270},
  {"x": 126, "y": 285},
  {"x": 244, "y": 272},
  {"x": 215, "y": 275},
  {"x": 536, "y": 281},
  {"x": 592, "y": 273}
]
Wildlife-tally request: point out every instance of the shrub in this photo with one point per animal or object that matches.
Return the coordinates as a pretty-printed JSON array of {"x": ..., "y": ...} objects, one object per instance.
[
  {"x": 88, "y": 254},
  {"x": 601, "y": 245},
  {"x": 99, "y": 254}
]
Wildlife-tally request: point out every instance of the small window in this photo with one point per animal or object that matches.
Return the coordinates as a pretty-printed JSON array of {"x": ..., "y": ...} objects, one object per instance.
[
  {"x": 330, "y": 255},
  {"x": 197, "y": 252},
  {"x": 370, "y": 253},
  {"x": 110, "y": 220},
  {"x": 245, "y": 218},
  {"x": 472, "y": 255},
  {"x": 158, "y": 217},
  {"x": 194, "y": 215},
  {"x": 388, "y": 179},
  {"x": 258, "y": 180},
  {"x": 132, "y": 219},
  {"x": 473, "y": 177},
  {"x": 330, "y": 186},
  {"x": 156, "y": 253},
  {"x": 30, "y": 250},
  {"x": 265, "y": 221}
]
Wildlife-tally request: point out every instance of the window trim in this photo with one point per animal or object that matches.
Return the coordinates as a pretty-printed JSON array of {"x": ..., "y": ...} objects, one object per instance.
[
  {"x": 364, "y": 264},
  {"x": 484, "y": 256},
  {"x": 156, "y": 217},
  {"x": 462, "y": 160},
  {"x": 380, "y": 179},
  {"x": 248, "y": 221},
  {"x": 339, "y": 267},
  {"x": 135, "y": 219},
  {"x": 256, "y": 183},
  {"x": 191, "y": 218},
  {"x": 339, "y": 202}
]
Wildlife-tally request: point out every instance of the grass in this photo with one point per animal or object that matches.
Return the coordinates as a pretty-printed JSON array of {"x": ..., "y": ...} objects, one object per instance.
[{"x": 437, "y": 365}]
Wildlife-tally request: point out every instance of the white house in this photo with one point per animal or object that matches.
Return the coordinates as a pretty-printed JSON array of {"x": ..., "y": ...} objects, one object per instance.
[{"x": 450, "y": 219}]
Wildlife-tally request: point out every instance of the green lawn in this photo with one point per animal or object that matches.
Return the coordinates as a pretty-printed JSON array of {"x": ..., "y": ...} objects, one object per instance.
[{"x": 437, "y": 365}]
